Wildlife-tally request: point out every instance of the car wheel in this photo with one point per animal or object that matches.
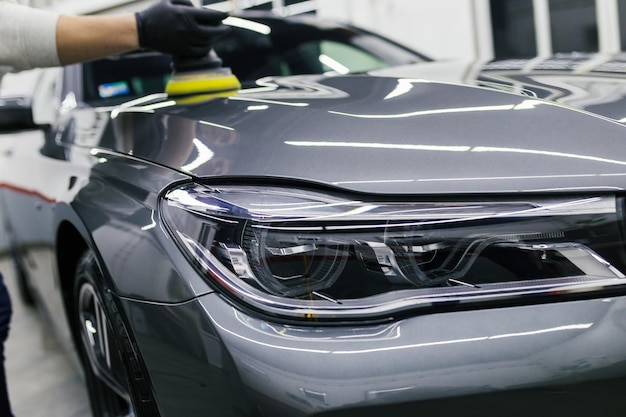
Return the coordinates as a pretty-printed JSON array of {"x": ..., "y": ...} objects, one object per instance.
[{"x": 105, "y": 348}]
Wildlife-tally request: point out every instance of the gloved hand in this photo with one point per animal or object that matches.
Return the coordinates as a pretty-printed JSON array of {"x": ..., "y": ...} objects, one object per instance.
[{"x": 178, "y": 28}]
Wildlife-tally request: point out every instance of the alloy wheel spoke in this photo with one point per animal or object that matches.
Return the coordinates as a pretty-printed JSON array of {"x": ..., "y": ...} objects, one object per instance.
[{"x": 97, "y": 343}]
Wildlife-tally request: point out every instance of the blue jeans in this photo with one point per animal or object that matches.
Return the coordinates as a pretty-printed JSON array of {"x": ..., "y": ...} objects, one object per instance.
[{"x": 5, "y": 318}]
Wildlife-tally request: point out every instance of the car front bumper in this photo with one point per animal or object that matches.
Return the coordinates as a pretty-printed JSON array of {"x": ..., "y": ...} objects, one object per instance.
[{"x": 207, "y": 356}]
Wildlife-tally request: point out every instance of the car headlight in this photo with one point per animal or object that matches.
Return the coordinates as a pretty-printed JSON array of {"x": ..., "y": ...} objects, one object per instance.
[{"x": 322, "y": 254}]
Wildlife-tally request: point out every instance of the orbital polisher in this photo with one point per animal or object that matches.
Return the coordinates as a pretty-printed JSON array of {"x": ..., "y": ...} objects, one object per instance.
[{"x": 205, "y": 75}]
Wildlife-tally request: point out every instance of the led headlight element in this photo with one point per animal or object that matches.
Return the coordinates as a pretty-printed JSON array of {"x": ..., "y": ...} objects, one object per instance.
[{"x": 310, "y": 253}]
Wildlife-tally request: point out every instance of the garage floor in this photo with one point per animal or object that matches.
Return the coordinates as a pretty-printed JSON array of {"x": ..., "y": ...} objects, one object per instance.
[{"x": 42, "y": 381}]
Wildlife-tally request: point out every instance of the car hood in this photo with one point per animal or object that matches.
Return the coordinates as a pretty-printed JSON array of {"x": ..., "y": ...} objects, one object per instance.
[{"x": 382, "y": 135}]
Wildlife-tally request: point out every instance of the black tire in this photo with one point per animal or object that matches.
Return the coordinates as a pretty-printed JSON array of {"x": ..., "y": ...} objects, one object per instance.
[{"x": 106, "y": 350}]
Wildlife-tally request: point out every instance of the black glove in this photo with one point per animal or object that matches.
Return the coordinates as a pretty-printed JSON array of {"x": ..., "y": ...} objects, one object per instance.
[{"x": 178, "y": 28}]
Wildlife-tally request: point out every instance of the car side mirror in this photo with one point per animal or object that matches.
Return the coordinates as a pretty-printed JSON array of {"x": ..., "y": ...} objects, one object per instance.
[{"x": 16, "y": 113}]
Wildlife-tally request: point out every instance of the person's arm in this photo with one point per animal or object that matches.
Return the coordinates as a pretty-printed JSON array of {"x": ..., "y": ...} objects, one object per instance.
[
  {"x": 32, "y": 38},
  {"x": 171, "y": 26},
  {"x": 27, "y": 37},
  {"x": 85, "y": 38}
]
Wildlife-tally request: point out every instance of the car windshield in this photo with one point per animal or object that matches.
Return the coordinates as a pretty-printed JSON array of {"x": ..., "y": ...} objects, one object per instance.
[
  {"x": 264, "y": 46},
  {"x": 257, "y": 46}
]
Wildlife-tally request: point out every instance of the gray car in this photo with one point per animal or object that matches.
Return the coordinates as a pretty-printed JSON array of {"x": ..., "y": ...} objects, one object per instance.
[{"x": 320, "y": 244}]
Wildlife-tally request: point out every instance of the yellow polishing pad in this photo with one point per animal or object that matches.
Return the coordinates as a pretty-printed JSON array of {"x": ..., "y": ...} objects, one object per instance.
[{"x": 202, "y": 82}]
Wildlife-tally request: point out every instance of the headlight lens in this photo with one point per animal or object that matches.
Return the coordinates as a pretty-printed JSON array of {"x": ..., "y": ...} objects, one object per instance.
[{"x": 305, "y": 253}]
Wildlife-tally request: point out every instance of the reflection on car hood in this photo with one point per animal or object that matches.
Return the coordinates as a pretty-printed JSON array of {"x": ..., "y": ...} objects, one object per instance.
[
  {"x": 383, "y": 134},
  {"x": 592, "y": 82},
  {"x": 588, "y": 81}
]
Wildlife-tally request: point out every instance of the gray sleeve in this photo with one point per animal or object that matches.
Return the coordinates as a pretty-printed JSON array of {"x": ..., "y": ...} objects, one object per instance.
[{"x": 28, "y": 37}]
